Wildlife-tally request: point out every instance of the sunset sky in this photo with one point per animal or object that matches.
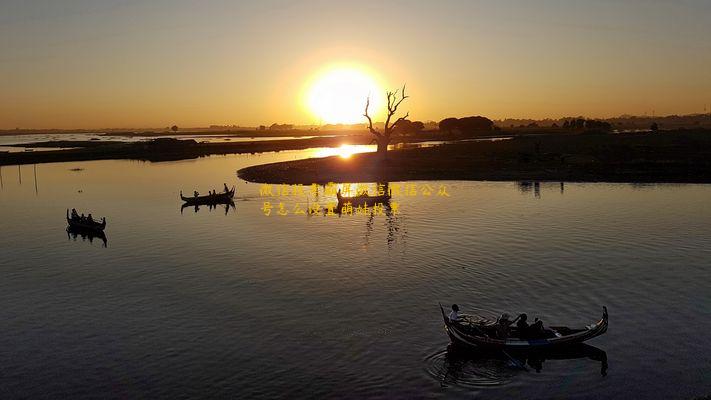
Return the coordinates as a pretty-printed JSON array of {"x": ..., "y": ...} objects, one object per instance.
[{"x": 101, "y": 63}]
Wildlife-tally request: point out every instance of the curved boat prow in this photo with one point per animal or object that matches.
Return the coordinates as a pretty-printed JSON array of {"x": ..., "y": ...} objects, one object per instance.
[{"x": 444, "y": 315}]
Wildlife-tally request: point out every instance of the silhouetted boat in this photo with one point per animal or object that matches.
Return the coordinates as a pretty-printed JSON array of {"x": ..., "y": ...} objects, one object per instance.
[
  {"x": 85, "y": 224},
  {"x": 362, "y": 199},
  {"x": 217, "y": 198},
  {"x": 482, "y": 335}
]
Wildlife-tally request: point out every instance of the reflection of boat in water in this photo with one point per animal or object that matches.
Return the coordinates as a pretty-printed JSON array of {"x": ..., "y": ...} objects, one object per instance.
[
  {"x": 217, "y": 198},
  {"x": 478, "y": 335},
  {"x": 461, "y": 366},
  {"x": 210, "y": 207},
  {"x": 362, "y": 199},
  {"x": 86, "y": 234},
  {"x": 86, "y": 224}
]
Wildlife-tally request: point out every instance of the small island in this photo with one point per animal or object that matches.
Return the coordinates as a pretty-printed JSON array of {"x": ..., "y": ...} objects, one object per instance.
[{"x": 670, "y": 156}]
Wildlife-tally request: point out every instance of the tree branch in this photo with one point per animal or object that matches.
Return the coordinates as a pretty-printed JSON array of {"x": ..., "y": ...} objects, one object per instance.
[
  {"x": 370, "y": 121},
  {"x": 401, "y": 99},
  {"x": 407, "y": 114}
]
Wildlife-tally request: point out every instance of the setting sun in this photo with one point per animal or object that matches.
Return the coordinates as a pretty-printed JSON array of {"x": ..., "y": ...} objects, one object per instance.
[{"x": 338, "y": 95}]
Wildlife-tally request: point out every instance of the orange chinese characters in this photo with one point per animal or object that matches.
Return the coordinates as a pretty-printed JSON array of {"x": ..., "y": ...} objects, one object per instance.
[
  {"x": 330, "y": 209},
  {"x": 298, "y": 210},
  {"x": 284, "y": 189},
  {"x": 378, "y": 209},
  {"x": 282, "y": 210},
  {"x": 395, "y": 189},
  {"x": 265, "y": 190},
  {"x": 442, "y": 191},
  {"x": 314, "y": 208},
  {"x": 426, "y": 190},
  {"x": 267, "y": 208},
  {"x": 347, "y": 208},
  {"x": 410, "y": 189},
  {"x": 362, "y": 210},
  {"x": 330, "y": 189},
  {"x": 297, "y": 190},
  {"x": 395, "y": 207},
  {"x": 361, "y": 189}
]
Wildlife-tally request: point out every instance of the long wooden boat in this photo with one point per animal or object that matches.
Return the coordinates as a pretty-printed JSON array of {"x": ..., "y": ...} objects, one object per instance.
[
  {"x": 217, "y": 198},
  {"x": 478, "y": 335},
  {"x": 86, "y": 225},
  {"x": 362, "y": 199}
]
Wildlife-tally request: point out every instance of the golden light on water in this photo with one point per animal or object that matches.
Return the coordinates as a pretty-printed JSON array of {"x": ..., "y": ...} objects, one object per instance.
[
  {"x": 345, "y": 151},
  {"x": 337, "y": 95}
]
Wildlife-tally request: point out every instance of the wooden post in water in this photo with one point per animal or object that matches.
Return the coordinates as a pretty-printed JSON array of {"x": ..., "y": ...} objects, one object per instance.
[
  {"x": 35, "y": 169},
  {"x": 1, "y": 185},
  {"x": 19, "y": 174}
]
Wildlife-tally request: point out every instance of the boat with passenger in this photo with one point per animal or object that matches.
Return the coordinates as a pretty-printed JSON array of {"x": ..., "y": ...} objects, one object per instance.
[
  {"x": 212, "y": 198},
  {"x": 86, "y": 223},
  {"x": 485, "y": 334}
]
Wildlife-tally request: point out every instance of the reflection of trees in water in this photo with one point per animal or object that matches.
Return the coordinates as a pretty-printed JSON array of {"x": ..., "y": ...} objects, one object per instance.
[
  {"x": 74, "y": 234},
  {"x": 526, "y": 187},
  {"x": 393, "y": 222}
]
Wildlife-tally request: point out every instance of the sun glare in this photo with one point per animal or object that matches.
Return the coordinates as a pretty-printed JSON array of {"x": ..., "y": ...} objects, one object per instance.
[{"x": 338, "y": 95}]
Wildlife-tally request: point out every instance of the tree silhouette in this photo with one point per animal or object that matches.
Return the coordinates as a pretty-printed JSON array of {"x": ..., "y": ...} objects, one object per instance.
[
  {"x": 407, "y": 127},
  {"x": 448, "y": 125},
  {"x": 654, "y": 127},
  {"x": 174, "y": 128},
  {"x": 382, "y": 139}
]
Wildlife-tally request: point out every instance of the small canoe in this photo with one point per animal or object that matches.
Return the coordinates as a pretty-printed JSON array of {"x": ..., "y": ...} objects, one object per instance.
[
  {"x": 85, "y": 224},
  {"x": 362, "y": 199},
  {"x": 476, "y": 335},
  {"x": 217, "y": 198}
]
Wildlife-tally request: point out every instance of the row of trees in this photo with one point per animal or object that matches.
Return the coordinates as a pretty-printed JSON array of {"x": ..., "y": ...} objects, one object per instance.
[
  {"x": 587, "y": 124},
  {"x": 466, "y": 124}
]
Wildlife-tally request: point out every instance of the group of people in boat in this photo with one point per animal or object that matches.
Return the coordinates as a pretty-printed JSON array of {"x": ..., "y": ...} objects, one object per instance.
[
  {"x": 502, "y": 327},
  {"x": 81, "y": 218},
  {"x": 213, "y": 192}
]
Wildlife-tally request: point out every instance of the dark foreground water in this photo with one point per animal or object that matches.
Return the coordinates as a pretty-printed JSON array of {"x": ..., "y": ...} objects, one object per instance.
[{"x": 241, "y": 305}]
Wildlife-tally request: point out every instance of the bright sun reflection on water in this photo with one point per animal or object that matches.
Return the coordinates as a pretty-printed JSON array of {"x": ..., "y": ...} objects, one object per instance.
[{"x": 345, "y": 151}]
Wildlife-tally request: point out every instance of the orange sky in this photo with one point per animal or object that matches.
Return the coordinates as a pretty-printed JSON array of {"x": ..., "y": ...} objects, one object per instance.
[{"x": 98, "y": 64}]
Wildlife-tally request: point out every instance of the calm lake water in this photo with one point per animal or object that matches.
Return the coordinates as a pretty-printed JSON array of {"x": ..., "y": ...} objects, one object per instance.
[{"x": 243, "y": 305}]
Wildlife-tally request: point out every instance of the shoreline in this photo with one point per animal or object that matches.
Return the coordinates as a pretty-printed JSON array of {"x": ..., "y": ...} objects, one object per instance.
[
  {"x": 679, "y": 156},
  {"x": 673, "y": 157},
  {"x": 170, "y": 149}
]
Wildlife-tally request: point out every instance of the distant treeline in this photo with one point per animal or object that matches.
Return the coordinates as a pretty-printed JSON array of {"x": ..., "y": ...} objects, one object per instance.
[{"x": 624, "y": 122}]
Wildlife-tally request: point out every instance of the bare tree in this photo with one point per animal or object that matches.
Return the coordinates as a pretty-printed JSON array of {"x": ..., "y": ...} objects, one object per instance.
[{"x": 382, "y": 139}]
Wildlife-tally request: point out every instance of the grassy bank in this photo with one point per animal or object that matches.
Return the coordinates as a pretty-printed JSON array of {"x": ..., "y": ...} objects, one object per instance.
[{"x": 673, "y": 156}]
